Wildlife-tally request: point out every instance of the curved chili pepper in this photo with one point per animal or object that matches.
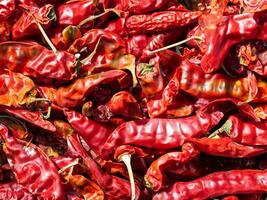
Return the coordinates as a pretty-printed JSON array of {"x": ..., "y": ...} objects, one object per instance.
[
  {"x": 111, "y": 185},
  {"x": 73, "y": 94},
  {"x": 72, "y": 13},
  {"x": 32, "y": 117},
  {"x": 32, "y": 166},
  {"x": 154, "y": 175},
  {"x": 226, "y": 147},
  {"x": 227, "y": 33},
  {"x": 216, "y": 184},
  {"x": 93, "y": 133},
  {"x": 159, "y": 21},
  {"x": 160, "y": 133},
  {"x": 26, "y": 25},
  {"x": 14, "y": 191},
  {"x": 245, "y": 131},
  {"x": 211, "y": 86},
  {"x": 88, "y": 189},
  {"x": 6, "y": 8},
  {"x": 36, "y": 61}
]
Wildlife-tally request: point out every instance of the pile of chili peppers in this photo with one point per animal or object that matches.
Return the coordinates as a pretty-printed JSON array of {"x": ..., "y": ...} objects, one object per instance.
[{"x": 117, "y": 99}]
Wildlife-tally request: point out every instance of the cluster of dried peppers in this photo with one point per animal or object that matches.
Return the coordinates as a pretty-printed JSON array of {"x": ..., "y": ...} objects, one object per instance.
[{"x": 157, "y": 99}]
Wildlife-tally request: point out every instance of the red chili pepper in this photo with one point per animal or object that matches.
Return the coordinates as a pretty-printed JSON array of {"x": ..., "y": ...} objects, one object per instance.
[
  {"x": 244, "y": 131},
  {"x": 62, "y": 38},
  {"x": 93, "y": 133},
  {"x": 154, "y": 176},
  {"x": 14, "y": 191},
  {"x": 72, "y": 95},
  {"x": 124, "y": 104},
  {"x": 88, "y": 189},
  {"x": 226, "y": 147},
  {"x": 227, "y": 33},
  {"x": 111, "y": 185},
  {"x": 216, "y": 184},
  {"x": 31, "y": 117},
  {"x": 73, "y": 12},
  {"x": 26, "y": 25},
  {"x": 159, "y": 21},
  {"x": 5, "y": 31},
  {"x": 36, "y": 61},
  {"x": 6, "y": 8},
  {"x": 211, "y": 86},
  {"x": 30, "y": 166},
  {"x": 160, "y": 133}
]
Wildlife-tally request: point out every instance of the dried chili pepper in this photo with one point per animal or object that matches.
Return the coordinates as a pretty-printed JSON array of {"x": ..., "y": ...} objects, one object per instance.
[
  {"x": 159, "y": 21},
  {"x": 26, "y": 25},
  {"x": 226, "y": 147},
  {"x": 14, "y": 191},
  {"x": 160, "y": 133},
  {"x": 73, "y": 12},
  {"x": 216, "y": 85},
  {"x": 32, "y": 166},
  {"x": 244, "y": 131},
  {"x": 154, "y": 175},
  {"x": 73, "y": 94},
  {"x": 111, "y": 185},
  {"x": 232, "y": 30},
  {"x": 36, "y": 61},
  {"x": 93, "y": 133},
  {"x": 216, "y": 184}
]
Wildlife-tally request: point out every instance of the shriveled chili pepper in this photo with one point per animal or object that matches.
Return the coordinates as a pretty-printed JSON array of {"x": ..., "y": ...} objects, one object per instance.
[
  {"x": 36, "y": 61},
  {"x": 93, "y": 133},
  {"x": 73, "y": 12},
  {"x": 30, "y": 166},
  {"x": 159, "y": 21},
  {"x": 87, "y": 188},
  {"x": 6, "y": 8},
  {"x": 232, "y": 30},
  {"x": 26, "y": 25},
  {"x": 160, "y": 133},
  {"x": 62, "y": 38},
  {"x": 111, "y": 185},
  {"x": 211, "y": 86},
  {"x": 226, "y": 147},
  {"x": 216, "y": 184},
  {"x": 31, "y": 117},
  {"x": 14, "y": 191},
  {"x": 244, "y": 131},
  {"x": 5, "y": 31},
  {"x": 72, "y": 95},
  {"x": 154, "y": 175}
]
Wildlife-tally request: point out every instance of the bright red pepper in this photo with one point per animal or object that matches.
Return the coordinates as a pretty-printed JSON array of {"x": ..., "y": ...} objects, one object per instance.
[
  {"x": 30, "y": 166},
  {"x": 216, "y": 184},
  {"x": 14, "y": 191},
  {"x": 6, "y": 8}
]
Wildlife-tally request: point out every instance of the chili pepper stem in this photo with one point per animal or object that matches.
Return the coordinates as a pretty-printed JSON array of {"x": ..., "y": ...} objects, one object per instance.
[
  {"x": 51, "y": 45},
  {"x": 71, "y": 166},
  {"x": 176, "y": 44},
  {"x": 32, "y": 100},
  {"x": 97, "y": 16},
  {"x": 90, "y": 56},
  {"x": 126, "y": 158},
  {"x": 226, "y": 127}
]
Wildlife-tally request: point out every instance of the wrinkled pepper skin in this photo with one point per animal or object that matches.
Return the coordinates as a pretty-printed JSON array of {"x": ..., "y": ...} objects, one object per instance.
[
  {"x": 233, "y": 29},
  {"x": 154, "y": 175},
  {"x": 159, "y": 21},
  {"x": 226, "y": 147},
  {"x": 32, "y": 167},
  {"x": 14, "y": 191},
  {"x": 93, "y": 133},
  {"x": 26, "y": 25},
  {"x": 160, "y": 133},
  {"x": 245, "y": 131},
  {"x": 216, "y": 184},
  {"x": 7, "y": 7},
  {"x": 34, "y": 60}
]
